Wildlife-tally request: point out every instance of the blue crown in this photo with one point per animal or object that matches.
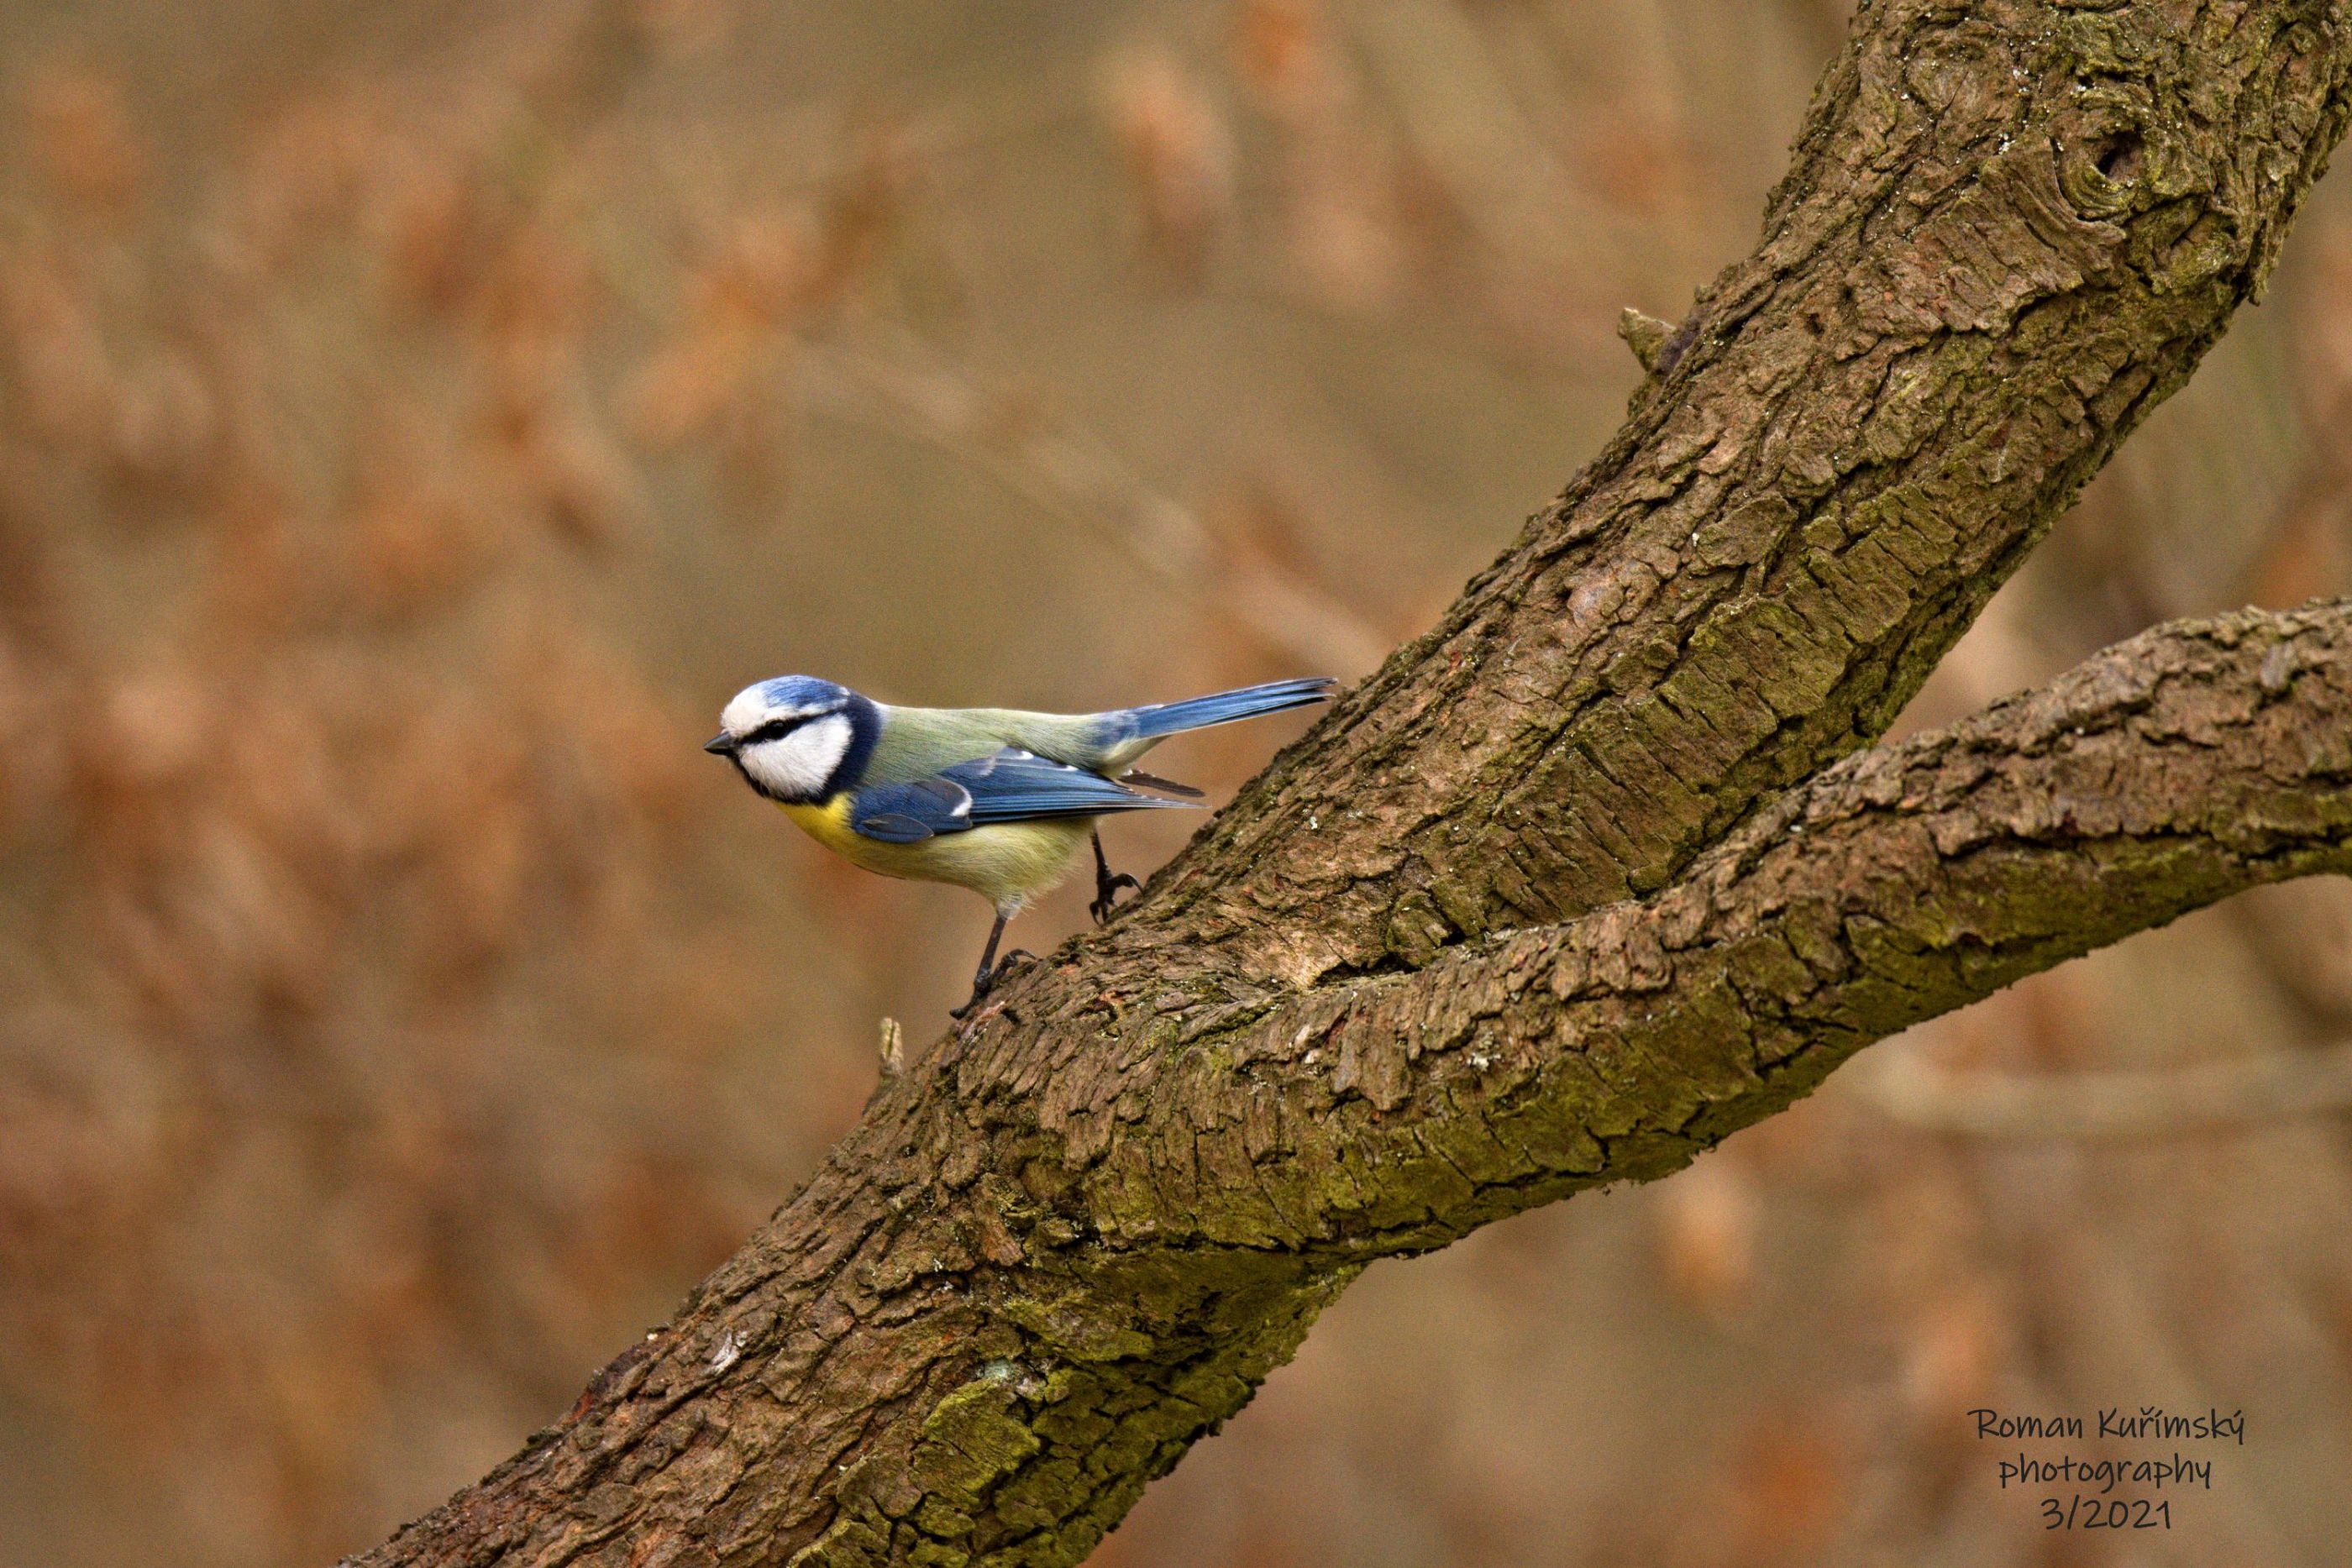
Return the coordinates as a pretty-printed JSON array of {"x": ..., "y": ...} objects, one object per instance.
[{"x": 802, "y": 692}]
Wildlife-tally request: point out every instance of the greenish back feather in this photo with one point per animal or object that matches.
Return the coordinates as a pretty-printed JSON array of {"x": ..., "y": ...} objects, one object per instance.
[{"x": 918, "y": 742}]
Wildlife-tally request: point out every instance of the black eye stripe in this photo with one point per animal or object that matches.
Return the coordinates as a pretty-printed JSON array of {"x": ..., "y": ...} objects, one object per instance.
[{"x": 777, "y": 728}]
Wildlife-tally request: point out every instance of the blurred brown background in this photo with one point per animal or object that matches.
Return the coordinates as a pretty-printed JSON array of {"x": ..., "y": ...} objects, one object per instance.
[{"x": 415, "y": 420}]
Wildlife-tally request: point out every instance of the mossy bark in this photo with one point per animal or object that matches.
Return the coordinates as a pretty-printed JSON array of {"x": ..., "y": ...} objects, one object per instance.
[{"x": 1577, "y": 883}]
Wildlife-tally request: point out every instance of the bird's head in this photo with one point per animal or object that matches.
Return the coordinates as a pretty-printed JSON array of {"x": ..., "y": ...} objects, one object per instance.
[{"x": 795, "y": 739}]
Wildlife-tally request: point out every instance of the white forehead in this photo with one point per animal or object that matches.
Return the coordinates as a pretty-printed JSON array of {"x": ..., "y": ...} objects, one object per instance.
[{"x": 749, "y": 708}]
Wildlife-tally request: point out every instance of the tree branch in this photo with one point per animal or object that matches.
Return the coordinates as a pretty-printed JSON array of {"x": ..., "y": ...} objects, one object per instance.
[
  {"x": 2010, "y": 231},
  {"x": 2174, "y": 770},
  {"x": 1531, "y": 911}
]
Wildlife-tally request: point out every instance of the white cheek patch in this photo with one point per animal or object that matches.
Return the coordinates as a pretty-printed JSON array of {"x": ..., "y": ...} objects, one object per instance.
[{"x": 797, "y": 765}]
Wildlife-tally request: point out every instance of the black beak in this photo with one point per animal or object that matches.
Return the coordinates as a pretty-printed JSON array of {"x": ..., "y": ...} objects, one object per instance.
[{"x": 720, "y": 745}]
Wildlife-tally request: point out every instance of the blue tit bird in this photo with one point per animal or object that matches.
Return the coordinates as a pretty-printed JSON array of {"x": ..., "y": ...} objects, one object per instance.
[{"x": 994, "y": 799}]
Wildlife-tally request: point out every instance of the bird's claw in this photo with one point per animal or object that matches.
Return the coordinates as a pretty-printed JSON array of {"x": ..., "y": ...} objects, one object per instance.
[
  {"x": 986, "y": 981},
  {"x": 1106, "y": 902}
]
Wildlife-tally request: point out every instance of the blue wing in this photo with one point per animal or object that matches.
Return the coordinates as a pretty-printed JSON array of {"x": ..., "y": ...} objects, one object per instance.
[{"x": 1013, "y": 786}]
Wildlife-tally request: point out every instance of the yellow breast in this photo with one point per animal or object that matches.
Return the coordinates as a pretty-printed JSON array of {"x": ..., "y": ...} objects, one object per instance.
[
  {"x": 827, "y": 823},
  {"x": 1008, "y": 863}
]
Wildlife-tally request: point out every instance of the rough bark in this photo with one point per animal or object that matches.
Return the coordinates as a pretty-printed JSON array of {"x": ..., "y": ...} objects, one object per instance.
[{"x": 1577, "y": 884}]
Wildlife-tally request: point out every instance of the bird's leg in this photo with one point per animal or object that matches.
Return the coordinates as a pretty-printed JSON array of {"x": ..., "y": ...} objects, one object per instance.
[
  {"x": 985, "y": 973},
  {"x": 1106, "y": 886},
  {"x": 992, "y": 968}
]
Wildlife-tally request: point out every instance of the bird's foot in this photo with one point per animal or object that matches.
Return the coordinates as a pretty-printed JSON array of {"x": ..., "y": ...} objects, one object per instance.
[
  {"x": 986, "y": 981},
  {"x": 1105, "y": 903}
]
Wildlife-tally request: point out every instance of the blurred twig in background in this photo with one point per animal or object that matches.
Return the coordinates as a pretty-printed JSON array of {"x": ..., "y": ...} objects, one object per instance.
[
  {"x": 2253, "y": 1093},
  {"x": 1083, "y": 483}
]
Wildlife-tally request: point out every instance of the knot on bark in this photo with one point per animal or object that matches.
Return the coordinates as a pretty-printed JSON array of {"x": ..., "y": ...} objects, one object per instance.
[{"x": 2104, "y": 167}]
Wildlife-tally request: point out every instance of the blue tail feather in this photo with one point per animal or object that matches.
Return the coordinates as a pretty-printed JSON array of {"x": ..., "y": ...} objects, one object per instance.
[{"x": 1224, "y": 707}]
